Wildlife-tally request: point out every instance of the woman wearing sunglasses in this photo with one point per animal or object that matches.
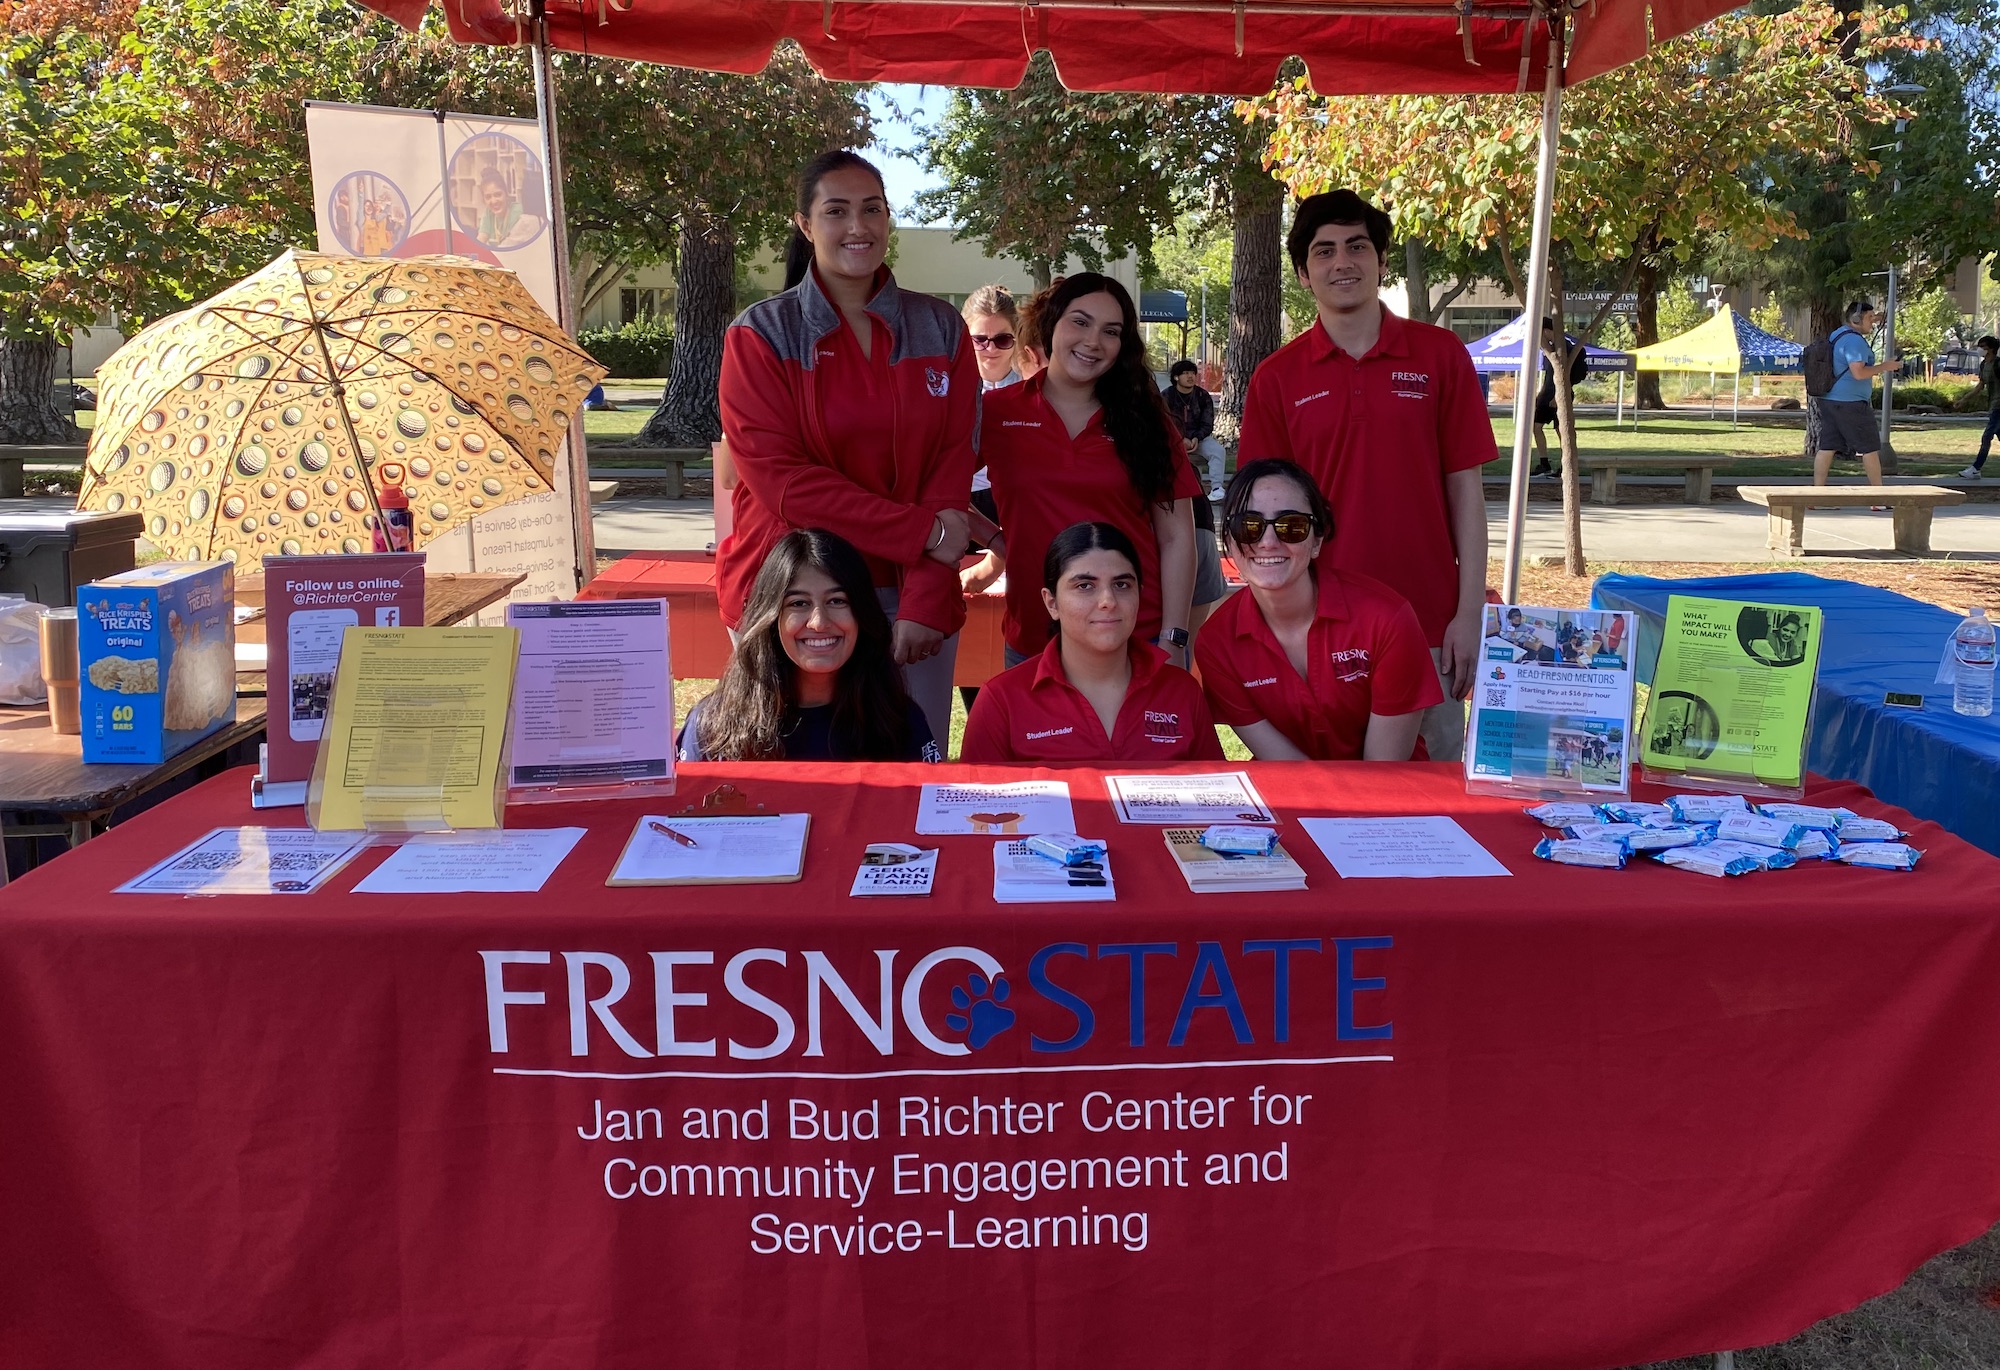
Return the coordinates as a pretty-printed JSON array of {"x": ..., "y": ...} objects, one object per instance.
[
  {"x": 994, "y": 323},
  {"x": 1086, "y": 439},
  {"x": 1309, "y": 663},
  {"x": 1096, "y": 693}
]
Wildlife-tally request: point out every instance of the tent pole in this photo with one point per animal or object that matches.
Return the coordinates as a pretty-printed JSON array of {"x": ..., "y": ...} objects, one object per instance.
[
  {"x": 1736, "y": 402},
  {"x": 1619, "y": 422},
  {"x": 552, "y": 184},
  {"x": 1536, "y": 305}
]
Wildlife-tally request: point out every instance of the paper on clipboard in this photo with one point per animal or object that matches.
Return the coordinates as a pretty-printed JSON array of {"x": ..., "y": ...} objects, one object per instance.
[{"x": 758, "y": 849}]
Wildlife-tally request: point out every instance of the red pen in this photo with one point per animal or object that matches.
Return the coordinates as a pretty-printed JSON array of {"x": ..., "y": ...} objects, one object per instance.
[{"x": 679, "y": 837}]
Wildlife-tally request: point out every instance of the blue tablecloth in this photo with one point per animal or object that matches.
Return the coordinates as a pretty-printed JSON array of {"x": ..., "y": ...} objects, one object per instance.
[{"x": 1936, "y": 763}]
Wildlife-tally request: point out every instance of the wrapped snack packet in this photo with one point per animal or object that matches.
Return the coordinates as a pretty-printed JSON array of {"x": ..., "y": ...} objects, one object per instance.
[
  {"x": 1706, "y": 808},
  {"x": 1859, "y": 829},
  {"x": 1888, "y": 856},
  {"x": 1635, "y": 811},
  {"x": 1066, "y": 848},
  {"x": 1770, "y": 858},
  {"x": 1760, "y": 831},
  {"x": 1808, "y": 815},
  {"x": 1651, "y": 839},
  {"x": 1606, "y": 855},
  {"x": 1564, "y": 813},
  {"x": 1239, "y": 839},
  {"x": 1816, "y": 844},
  {"x": 1706, "y": 860}
]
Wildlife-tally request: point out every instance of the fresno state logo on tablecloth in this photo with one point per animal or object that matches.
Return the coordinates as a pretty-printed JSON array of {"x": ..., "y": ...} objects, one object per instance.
[{"x": 766, "y": 1003}]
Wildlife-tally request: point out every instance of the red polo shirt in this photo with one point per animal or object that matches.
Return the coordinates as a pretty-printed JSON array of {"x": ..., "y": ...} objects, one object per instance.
[
  {"x": 1379, "y": 435},
  {"x": 1032, "y": 713},
  {"x": 1364, "y": 654},
  {"x": 1044, "y": 480}
]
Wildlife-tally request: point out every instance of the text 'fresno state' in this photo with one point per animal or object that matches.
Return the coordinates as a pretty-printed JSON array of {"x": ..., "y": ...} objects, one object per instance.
[{"x": 759, "y": 1003}]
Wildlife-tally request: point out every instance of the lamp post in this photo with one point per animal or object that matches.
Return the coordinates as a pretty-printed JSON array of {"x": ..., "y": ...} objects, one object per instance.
[{"x": 1889, "y": 298}]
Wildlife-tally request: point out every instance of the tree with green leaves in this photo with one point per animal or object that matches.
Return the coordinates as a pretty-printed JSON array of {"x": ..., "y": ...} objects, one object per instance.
[
  {"x": 1653, "y": 156},
  {"x": 150, "y": 156},
  {"x": 1042, "y": 175}
]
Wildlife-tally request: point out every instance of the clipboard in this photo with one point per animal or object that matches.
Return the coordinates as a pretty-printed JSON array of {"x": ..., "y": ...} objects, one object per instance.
[{"x": 736, "y": 849}]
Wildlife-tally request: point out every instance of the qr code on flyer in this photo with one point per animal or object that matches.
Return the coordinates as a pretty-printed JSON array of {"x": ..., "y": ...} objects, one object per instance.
[
  {"x": 296, "y": 861},
  {"x": 1496, "y": 698},
  {"x": 209, "y": 861}
]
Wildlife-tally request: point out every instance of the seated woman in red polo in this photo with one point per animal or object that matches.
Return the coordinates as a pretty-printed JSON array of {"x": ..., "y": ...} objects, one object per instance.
[
  {"x": 813, "y": 677},
  {"x": 1096, "y": 693},
  {"x": 1308, "y": 662}
]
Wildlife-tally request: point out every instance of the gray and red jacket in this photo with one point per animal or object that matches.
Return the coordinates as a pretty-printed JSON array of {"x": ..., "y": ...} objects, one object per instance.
[{"x": 793, "y": 475}]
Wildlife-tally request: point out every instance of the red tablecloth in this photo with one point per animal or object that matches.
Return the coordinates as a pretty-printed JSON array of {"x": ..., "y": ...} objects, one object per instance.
[{"x": 1569, "y": 1118}]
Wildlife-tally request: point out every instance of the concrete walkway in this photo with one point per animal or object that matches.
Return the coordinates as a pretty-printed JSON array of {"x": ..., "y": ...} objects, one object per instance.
[{"x": 1728, "y": 530}]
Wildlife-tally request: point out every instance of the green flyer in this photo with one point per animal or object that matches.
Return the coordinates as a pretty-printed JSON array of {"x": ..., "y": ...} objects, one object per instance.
[{"x": 1733, "y": 692}]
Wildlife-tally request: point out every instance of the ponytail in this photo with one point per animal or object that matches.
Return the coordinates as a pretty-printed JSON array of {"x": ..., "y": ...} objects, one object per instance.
[{"x": 798, "y": 257}]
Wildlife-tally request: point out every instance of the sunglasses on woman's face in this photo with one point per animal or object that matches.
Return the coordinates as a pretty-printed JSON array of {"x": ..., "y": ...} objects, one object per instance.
[
  {"x": 996, "y": 342},
  {"x": 1291, "y": 526}
]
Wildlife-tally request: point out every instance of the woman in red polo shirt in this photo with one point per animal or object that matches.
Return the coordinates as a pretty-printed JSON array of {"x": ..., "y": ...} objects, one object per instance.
[
  {"x": 1097, "y": 693},
  {"x": 1309, "y": 662},
  {"x": 1089, "y": 438},
  {"x": 848, "y": 404}
]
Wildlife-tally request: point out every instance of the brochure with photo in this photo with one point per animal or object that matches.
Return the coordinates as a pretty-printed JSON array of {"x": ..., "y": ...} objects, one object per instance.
[{"x": 1551, "y": 706}]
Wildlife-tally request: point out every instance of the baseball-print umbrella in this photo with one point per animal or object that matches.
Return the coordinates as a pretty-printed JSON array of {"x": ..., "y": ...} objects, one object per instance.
[{"x": 271, "y": 417}]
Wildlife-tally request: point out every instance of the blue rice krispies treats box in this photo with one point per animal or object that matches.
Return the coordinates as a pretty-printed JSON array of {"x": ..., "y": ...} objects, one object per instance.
[{"x": 156, "y": 651}]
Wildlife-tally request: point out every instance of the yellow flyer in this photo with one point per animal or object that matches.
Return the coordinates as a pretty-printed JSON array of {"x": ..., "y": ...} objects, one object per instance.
[
  {"x": 1733, "y": 693},
  {"x": 416, "y": 731}
]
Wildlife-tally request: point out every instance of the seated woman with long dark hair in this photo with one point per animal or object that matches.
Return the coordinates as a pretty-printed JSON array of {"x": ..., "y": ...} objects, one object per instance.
[
  {"x": 1096, "y": 693},
  {"x": 1308, "y": 662},
  {"x": 812, "y": 678}
]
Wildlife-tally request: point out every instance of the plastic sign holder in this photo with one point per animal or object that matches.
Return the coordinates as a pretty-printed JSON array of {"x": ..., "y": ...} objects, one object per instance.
[
  {"x": 1550, "y": 715},
  {"x": 593, "y": 705}
]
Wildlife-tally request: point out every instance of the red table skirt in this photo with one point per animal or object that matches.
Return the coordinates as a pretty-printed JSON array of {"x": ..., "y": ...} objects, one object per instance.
[{"x": 1571, "y": 1118}]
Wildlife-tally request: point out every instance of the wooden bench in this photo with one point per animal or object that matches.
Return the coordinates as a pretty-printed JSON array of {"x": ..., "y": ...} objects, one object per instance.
[
  {"x": 1604, "y": 471},
  {"x": 1910, "y": 506},
  {"x": 670, "y": 461}
]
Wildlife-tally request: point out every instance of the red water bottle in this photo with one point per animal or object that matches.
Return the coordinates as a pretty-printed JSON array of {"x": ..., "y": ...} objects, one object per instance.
[{"x": 392, "y": 530}]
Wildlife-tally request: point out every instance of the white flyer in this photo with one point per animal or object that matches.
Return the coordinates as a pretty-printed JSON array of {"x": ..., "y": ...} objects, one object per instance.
[
  {"x": 251, "y": 861},
  {"x": 1022, "y": 807},
  {"x": 519, "y": 860},
  {"x": 593, "y": 695},
  {"x": 1405, "y": 848},
  {"x": 889, "y": 868},
  {"x": 1551, "y": 706},
  {"x": 1188, "y": 801},
  {"x": 687, "y": 850}
]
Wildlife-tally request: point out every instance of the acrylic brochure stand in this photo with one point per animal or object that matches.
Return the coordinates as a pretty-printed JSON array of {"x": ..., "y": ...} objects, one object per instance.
[
  {"x": 593, "y": 708},
  {"x": 1550, "y": 715}
]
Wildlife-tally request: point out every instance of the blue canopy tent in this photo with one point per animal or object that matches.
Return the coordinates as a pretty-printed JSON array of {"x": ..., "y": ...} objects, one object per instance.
[
  {"x": 1165, "y": 306},
  {"x": 1499, "y": 353}
]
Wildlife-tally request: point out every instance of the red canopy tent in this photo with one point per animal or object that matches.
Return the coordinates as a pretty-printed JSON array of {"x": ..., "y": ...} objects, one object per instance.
[{"x": 1212, "y": 47}]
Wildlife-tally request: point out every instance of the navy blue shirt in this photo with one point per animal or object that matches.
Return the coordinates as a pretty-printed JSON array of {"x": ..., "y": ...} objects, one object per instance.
[{"x": 808, "y": 735}]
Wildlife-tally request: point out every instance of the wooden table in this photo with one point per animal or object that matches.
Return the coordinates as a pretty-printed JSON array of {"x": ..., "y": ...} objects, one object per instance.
[
  {"x": 1909, "y": 505},
  {"x": 42, "y": 770},
  {"x": 701, "y": 648}
]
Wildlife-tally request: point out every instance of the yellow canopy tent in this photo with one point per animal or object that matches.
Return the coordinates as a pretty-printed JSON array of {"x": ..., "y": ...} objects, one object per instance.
[{"x": 1729, "y": 343}]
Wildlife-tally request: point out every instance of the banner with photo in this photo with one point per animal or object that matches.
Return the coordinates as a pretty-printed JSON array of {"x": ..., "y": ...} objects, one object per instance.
[
  {"x": 406, "y": 183},
  {"x": 1552, "y": 703}
]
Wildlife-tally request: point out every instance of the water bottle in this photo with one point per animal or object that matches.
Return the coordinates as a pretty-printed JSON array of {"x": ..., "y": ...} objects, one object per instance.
[{"x": 1972, "y": 654}]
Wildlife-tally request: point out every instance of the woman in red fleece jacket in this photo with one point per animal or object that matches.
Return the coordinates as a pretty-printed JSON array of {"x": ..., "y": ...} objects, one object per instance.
[{"x": 849, "y": 404}]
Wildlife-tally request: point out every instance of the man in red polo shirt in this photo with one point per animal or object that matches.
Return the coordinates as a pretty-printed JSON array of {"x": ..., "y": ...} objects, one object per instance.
[{"x": 1388, "y": 417}]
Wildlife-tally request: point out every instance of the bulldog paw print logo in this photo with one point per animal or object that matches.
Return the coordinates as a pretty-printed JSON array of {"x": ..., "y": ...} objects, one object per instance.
[{"x": 981, "y": 1013}]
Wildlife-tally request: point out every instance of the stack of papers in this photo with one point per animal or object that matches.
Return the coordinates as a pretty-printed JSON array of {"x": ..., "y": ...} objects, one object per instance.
[
  {"x": 755, "y": 849},
  {"x": 1022, "y": 877},
  {"x": 1212, "y": 872}
]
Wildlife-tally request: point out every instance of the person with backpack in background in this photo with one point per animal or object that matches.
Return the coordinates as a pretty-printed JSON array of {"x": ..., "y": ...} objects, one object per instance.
[
  {"x": 1989, "y": 381},
  {"x": 1840, "y": 372}
]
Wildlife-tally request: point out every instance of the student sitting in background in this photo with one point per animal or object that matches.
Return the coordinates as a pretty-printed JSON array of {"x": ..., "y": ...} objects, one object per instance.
[
  {"x": 1096, "y": 693},
  {"x": 1309, "y": 662},
  {"x": 812, "y": 678}
]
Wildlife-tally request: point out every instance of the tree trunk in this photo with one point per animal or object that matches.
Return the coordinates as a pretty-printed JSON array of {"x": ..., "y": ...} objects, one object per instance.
[
  {"x": 28, "y": 412},
  {"x": 1256, "y": 286},
  {"x": 1042, "y": 272},
  {"x": 1417, "y": 281},
  {"x": 1566, "y": 433},
  {"x": 704, "y": 303},
  {"x": 1646, "y": 290}
]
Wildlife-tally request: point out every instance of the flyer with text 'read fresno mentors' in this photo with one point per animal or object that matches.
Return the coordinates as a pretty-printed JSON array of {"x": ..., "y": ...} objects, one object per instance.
[{"x": 1551, "y": 706}]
